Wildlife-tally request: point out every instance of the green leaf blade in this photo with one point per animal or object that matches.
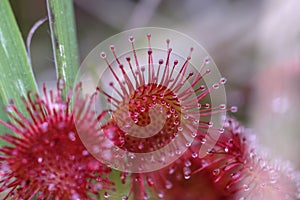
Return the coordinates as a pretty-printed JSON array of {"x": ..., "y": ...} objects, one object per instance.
[
  {"x": 64, "y": 43},
  {"x": 16, "y": 75}
]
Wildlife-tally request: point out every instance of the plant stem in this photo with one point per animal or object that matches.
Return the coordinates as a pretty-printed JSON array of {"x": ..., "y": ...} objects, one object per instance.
[{"x": 63, "y": 35}]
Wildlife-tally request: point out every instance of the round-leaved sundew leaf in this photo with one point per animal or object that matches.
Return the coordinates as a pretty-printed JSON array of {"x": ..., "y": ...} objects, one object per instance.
[{"x": 47, "y": 158}]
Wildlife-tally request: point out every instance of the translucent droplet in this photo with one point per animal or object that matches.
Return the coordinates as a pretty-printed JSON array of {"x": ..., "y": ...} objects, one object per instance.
[
  {"x": 246, "y": 187},
  {"x": 141, "y": 145},
  {"x": 171, "y": 153},
  {"x": 72, "y": 136},
  {"x": 185, "y": 116},
  {"x": 160, "y": 195},
  {"x": 85, "y": 153},
  {"x": 196, "y": 121},
  {"x": 103, "y": 55},
  {"x": 176, "y": 134},
  {"x": 106, "y": 195},
  {"x": 194, "y": 134},
  {"x": 186, "y": 171},
  {"x": 204, "y": 163},
  {"x": 216, "y": 172},
  {"x": 234, "y": 109},
  {"x": 44, "y": 126},
  {"x": 131, "y": 39},
  {"x": 146, "y": 196},
  {"x": 124, "y": 197},
  {"x": 131, "y": 155},
  {"x": 251, "y": 168},
  {"x": 176, "y": 122},
  {"x": 121, "y": 140},
  {"x": 40, "y": 159},
  {"x": 3, "y": 169},
  {"x": 216, "y": 86},
  {"x": 252, "y": 155},
  {"x": 51, "y": 186},
  {"x": 207, "y": 60},
  {"x": 227, "y": 187},
  {"x": 209, "y": 151},
  {"x": 169, "y": 184},
  {"x": 188, "y": 144},
  {"x": 75, "y": 196},
  {"x": 273, "y": 177},
  {"x": 187, "y": 163},
  {"x": 221, "y": 130},
  {"x": 194, "y": 155},
  {"x": 142, "y": 109},
  {"x": 112, "y": 47},
  {"x": 171, "y": 170},
  {"x": 235, "y": 175},
  {"x": 153, "y": 97},
  {"x": 135, "y": 120},
  {"x": 226, "y": 149},
  {"x": 222, "y": 106},
  {"x": 187, "y": 177},
  {"x": 150, "y": 181},
  {"x": 51, "y": 176},
  {"x": 223, "y": 80},
  {"x": 9, "y": 108}
]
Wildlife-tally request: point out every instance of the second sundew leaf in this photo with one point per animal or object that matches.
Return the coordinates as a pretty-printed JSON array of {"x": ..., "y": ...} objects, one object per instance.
[
  {"x": 63, "y": 35},
  {"x": 16, "y": 75}
]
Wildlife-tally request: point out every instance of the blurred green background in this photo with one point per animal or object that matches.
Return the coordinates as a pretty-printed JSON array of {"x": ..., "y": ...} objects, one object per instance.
[{"x": 255, "y": 44}]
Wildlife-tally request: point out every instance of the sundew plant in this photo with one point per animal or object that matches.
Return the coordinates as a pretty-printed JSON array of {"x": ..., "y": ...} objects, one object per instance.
[{"x": 141, "y": 118}]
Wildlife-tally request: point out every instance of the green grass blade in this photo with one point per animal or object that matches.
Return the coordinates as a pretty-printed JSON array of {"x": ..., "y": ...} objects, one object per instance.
[
  {"x": 64, "y": 43},
  {"x": 16, "y": 75},
  {"x": 3, "y": 129}
]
